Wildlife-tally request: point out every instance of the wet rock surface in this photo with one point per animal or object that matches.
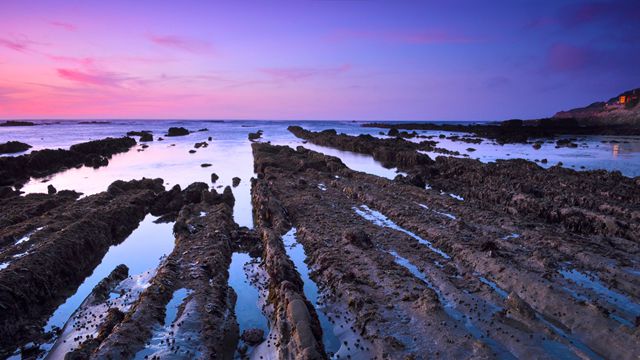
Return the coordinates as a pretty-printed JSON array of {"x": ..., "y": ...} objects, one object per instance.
[
  {"x": 11, "y": 147},
  {"x": 205, "y": 325},
  {"x": 584, "y": 202},
  {"x": 423, "y": 272},
  {"x": 17, "y": 170},
  {"x": 64, "y": 239}
]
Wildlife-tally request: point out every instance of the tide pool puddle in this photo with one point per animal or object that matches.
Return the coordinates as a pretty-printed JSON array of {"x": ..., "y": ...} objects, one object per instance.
[
  {"x": 248, "y": 305},
  {"x": 449, "y": 308},
  {"x": 21, "y": 240},
  {"x": 511, "y": 236},
  {"x": 503, "y": 294},
  {"x": 591, "y": 282},
  {"x": 178, "y": 336},
  {"x": 296, "y": 253},
  {"x": 379, "y": 219},
  {"x": 560, "y": 350},
  {"x": 153, "y": 240},
  {"x": 450, "y": 216},
  {"x": 27, "y": 236},
  {"x": 86, "y": 320}
]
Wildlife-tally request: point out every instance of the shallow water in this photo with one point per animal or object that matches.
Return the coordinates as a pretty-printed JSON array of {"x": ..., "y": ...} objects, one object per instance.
[
  {"x": 614, "y": 298},
  {"x": 450, "y": 309},
  {"x": 380, "y": 219},
  {"x": 151, "y": 239},
  {"x": 248, "y": 307},
  {"x": 296, "y": 253}
]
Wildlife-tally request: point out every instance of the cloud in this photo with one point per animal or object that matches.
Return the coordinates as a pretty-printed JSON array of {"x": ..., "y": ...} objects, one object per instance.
[
  {"x": 293, "y": 73},
  {"x": 429, "y": 36},
  {"x": 63, "y": 25},
  {"x": 182, "y": 43},
  {"x": 22, "y": 44},
  {"x": 97, "y": 78},
  {"x": 84, "y": 61}
]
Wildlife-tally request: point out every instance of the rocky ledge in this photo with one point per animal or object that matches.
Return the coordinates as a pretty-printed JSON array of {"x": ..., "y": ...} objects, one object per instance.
[
  {"x": 15, "y": 171},
  {"x": 584, "y": 202},
  {"x": 422, "y": 271}
]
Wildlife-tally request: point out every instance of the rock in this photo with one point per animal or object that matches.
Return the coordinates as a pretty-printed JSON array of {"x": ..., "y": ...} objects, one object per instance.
[
  {"x": 537, "y": 146},
  {"x": 161, "y": 139},
  {"x": 51, "y": 190},
  {"x": 357, "y": 237},
  {"x": 205, "y": 165},
  {"x": 144, "y": 135},
  {"x": 177, "y": 131},
  {"x": 471, "y": 149},
  {"x": 252, "y": 336},
  {"x": 214, "y": 177},
  {"x": 210, "y": 138},
  {"x": 192, "y": 151},
  {"x": 393, "y": 132},
  {"x": 13, "y": 147},
  {"x": 255, "y": 136},
  {"x": 566, "y": 143},
  {"x": 40, "y": 163},
  {"x": 17, "y": 123},
  {"x": 517, "y": 305},
  {"x": 235, "y": 181}
]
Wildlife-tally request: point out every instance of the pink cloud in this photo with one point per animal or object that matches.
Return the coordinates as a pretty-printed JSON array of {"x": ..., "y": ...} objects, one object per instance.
[
  {"x": 22, "y": 45},
  {"x": 431, "y": 36},
  {"x": 93, "y": 77},
  {"x": 84, "y": 61},
  {"x": 182, "y": 43},
  {"x": 293, "y": 74},
  {"x": 63, "y": 25}
]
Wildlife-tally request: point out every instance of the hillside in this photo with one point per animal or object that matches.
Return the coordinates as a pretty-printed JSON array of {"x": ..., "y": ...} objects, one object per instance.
[{"x": 623, "y": 109}]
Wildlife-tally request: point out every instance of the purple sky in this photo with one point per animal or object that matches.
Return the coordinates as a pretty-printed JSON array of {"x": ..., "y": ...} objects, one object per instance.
[{"x": 313, "y": 59}]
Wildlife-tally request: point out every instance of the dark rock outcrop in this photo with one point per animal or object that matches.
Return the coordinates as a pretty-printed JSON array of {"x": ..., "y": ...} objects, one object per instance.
[
  {"x": 13, "y": 147},
  {"x": 17, "y": 123},
  {"x": 177, "y": 131},
  {"x": 17, "y": 170}
]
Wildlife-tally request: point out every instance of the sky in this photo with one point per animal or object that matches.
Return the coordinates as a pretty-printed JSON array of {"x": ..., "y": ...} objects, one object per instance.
[{"x": 313, "y": 59}]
